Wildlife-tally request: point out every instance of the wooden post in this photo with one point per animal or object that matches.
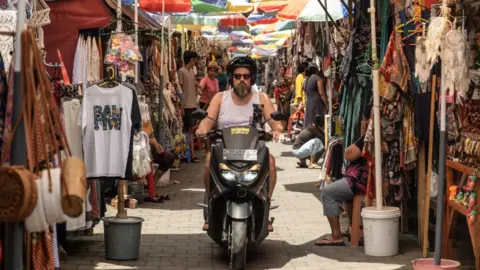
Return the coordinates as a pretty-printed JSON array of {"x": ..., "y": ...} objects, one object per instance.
[
  {"x": 429, "y": 170},
  {"x": 121, "y": 186}
]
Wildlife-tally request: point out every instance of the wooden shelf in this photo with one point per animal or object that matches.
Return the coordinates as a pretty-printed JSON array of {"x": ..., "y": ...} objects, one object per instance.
[
  {"x": 453, "y": 208},
  {"x": 459, "y": 167},
  {"x": 458, "y": 207}
]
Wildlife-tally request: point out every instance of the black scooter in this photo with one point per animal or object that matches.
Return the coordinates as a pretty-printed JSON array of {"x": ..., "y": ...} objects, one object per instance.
[{"x": 238, "y": 208}]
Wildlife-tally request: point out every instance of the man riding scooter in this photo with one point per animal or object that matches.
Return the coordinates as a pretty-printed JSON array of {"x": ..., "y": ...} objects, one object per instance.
[{"x": 235, "y": 108}]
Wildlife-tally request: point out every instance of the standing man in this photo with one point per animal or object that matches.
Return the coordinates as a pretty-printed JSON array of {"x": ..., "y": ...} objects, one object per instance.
[{"x": 186, "y": 78}]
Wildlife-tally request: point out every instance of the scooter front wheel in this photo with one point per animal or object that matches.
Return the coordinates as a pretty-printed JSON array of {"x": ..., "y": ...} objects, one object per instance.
[{"x": 238, "y": 244}]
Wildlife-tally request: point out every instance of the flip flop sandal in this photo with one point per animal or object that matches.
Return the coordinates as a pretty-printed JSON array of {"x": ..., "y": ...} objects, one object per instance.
[
  {"x": 165, "y": 198},
  {"x": 175, "y": 168},
  {"x": 195, "y": 160},
  {"x": 328, "y": 242}
]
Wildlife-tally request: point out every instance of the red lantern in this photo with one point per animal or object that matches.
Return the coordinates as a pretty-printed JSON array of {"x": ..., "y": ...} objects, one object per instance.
[{"x": 170, "y": 5}]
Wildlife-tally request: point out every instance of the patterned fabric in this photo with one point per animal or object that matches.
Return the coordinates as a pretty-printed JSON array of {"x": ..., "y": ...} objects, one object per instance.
[
  {"x": 283, "y": 89},
  {"x": 3, "y": 98},
  {"x": 42, "y": 251},
  {"x": 409, "y": 141},
  {"x": 7, "y": 125},
  {"x": 395, "y": 66},
  {"x": 56, "y": 258}
]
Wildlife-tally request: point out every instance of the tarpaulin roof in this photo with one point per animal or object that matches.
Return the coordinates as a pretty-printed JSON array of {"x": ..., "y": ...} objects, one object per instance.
[{"x": 67, "y": 18}]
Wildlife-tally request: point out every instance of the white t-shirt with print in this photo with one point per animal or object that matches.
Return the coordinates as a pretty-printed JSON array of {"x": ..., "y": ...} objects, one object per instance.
[{"x": 107, "y": 125}]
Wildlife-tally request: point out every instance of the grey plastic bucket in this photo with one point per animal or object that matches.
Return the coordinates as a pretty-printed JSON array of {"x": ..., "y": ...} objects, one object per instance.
[
  {"x": 136, "y": 190},
  {"x": 122, "y": 238}
]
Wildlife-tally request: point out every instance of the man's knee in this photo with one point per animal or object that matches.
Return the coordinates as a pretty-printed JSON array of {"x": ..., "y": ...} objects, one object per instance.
[{"x": 326, "y": 193}]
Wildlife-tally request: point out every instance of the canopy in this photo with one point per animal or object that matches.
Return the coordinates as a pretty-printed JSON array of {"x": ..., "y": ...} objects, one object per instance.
[
  {"x": 272, "y": 5},
  {"x": 280, "y": 26},
  {"x": 312, "y": 11},
  {"x": 258, "y": 19},
  {"x": 233, "y": 20},
  {"x": 205, "y": 6},
  {"x": 170, "y": 5},
  {"x": 241, "y": 6}
]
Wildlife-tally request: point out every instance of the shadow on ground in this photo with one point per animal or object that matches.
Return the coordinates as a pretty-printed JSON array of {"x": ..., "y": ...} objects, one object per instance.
[
  {"x": 305, "y": 187},
  {"x": 197, "y": 251}
]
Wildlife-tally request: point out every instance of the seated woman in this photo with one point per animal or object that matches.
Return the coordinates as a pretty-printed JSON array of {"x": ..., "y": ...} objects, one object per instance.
[
  {"x": 164, "y": 159},
  {"x": 333, "y": 195}
]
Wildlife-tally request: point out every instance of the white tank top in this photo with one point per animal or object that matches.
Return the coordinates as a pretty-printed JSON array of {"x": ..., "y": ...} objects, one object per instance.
[{"x": 232, "y": 115}]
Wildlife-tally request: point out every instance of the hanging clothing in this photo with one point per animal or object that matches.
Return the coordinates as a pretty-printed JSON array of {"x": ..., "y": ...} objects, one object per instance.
[
  {"x": 107, "y": 118},
  {"x": 71, "y": 112}
]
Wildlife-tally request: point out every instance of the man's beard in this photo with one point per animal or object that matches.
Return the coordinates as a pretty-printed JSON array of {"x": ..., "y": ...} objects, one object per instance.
[{"x": 242, "y": 90}]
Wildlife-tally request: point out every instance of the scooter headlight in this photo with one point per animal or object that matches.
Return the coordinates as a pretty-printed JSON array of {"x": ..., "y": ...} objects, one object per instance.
[
  {"x": 246, "y": 176},
  {"x": 228, "y": 175}
]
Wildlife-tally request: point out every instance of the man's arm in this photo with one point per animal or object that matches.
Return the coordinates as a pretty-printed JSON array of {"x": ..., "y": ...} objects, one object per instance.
[
  {"x": 321, "y": 91},
  {"x": 267, "y": 111},
  {"x": 354, "y": 151},
  {"x": 213, "y": 109}
]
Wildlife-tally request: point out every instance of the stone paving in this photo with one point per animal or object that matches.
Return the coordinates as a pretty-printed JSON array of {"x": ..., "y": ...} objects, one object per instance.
[{"x": 172, "y": 237}]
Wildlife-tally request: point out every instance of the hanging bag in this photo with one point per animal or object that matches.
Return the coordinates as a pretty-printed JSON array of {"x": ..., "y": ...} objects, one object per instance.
[
  {"x": 8, "y": 23},
  {"x": 40, "y": 14}
]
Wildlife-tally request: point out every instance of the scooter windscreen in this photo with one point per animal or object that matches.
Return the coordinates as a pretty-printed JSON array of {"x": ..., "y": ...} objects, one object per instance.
[{"x": 240, "y": 143}]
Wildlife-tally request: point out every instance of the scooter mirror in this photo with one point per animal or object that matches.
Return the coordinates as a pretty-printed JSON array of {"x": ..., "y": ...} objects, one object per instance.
[
  {"x": 278, "y": 116},
  {"x": 199, "y": 114}
]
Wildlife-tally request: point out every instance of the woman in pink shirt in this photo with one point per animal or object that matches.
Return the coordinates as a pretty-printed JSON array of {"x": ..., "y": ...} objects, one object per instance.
[{"x": 209, "y": 85}]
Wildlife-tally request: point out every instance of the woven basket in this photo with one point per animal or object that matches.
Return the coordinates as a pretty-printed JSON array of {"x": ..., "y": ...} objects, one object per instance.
[{"x": 40, "y": 14}]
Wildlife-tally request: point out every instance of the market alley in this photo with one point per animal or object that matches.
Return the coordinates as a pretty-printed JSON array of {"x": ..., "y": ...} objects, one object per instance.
[{"x": 172, "y": 237}]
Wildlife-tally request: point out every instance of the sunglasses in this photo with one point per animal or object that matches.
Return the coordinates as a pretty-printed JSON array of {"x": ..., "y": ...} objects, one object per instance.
[{"x": 238, "y": 76}]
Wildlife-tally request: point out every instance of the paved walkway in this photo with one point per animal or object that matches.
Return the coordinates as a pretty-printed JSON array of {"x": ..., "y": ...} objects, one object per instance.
[{"x": 172, "y": 236}]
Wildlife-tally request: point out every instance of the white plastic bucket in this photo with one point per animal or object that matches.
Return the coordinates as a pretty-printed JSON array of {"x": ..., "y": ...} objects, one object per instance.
[{"x": 380, "y": 231}]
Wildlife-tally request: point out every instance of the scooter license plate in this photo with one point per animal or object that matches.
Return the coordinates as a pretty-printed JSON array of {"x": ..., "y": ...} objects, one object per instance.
[{"x": 240, "y": 154}]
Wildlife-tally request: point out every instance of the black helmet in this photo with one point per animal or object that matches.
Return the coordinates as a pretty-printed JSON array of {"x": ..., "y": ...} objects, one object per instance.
[{"x": 242, "y": 61}]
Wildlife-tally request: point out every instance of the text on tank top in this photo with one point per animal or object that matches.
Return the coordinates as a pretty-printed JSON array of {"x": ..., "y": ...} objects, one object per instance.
[{"x": 232, "y": 115}]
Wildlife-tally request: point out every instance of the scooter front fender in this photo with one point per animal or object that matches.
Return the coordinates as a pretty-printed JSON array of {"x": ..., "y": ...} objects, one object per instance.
[{"x": 239, "y": 210}]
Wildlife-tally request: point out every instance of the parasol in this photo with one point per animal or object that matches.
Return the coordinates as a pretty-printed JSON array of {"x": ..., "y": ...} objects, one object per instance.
[
  {"x": 170, "y": 5},
  {"x": 270, "y": 6},
  {"x": 261, "y": 19},
  {"x": 280, "y": 26},
  {"x": 312, "y": 11}
]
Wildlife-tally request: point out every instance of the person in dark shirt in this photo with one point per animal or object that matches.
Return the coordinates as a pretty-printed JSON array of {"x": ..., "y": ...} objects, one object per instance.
[
  {"x": 222, "y": 79},
  {"x": 354, "y": 181},
  {"x": 309, "y": 144}
]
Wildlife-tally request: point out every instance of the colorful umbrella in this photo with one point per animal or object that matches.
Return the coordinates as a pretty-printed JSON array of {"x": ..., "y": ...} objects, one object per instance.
[
  {"x": 312, "y": 11},
  {"x": 195, "y": 19},
  {"x": 280, "y": 26},
  {"x": 241, "y": 6},
  {"x": 233, "y": 20},
  {"x": 170, "y": 5},
  {"x": 258, "y": 29},
  {"x": 257, "y": 19},
  {"x": 270, "y": 6},
  {"x": 205, "y": 6}
]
